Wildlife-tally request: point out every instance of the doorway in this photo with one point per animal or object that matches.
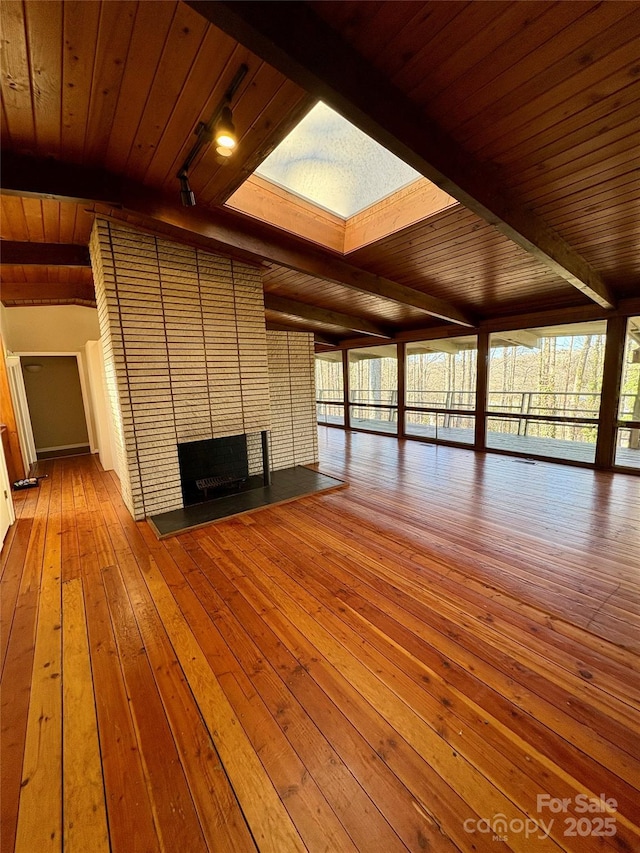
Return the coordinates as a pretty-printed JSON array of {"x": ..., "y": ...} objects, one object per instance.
[{"x": 56, "y": 406}]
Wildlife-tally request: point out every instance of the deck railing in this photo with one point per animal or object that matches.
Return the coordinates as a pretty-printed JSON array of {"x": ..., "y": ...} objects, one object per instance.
[
  {"x": 565, "y": 404},
  {"x": 552, "y": 416},
  {"x": 526, "y": 407}
]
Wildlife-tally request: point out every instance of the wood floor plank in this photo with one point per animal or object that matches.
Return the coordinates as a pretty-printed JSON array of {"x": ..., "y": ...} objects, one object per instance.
[
  {"x": 270, "y": 824},
  {"x": 130, "y": 814},
  {"x": 84, "y": 808},
  {"x": 306, "y": 615},
  {"x": 448, "y": 620},
  {"x": 452, "y": 520},
  {"x": 17, "y": 670},
  {"x": 220, "y": 816},
  {"x": 492, "y": 762},
  {"x": 362, "y": 757},
  {"x": 69, "y": 534},
  {"x": 578, "y": 606},
  {"x": 175, "y": 812},
  {"x": 393, "y": 666},
  {"x": 40, "y": 809},
  {"x": 6, "y": 548},
  {"x": 265, "y": 717},
  {"x": 447, "y": 638},
  {"x": 385, "y": 543},
  {"x": 324, "y": 765},
  {"x": 465, "y": 605},
  {"x": 16, "y": 552}
]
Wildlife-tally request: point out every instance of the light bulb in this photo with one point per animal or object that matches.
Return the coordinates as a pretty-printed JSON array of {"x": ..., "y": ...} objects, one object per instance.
[
  {"x": 225, "y": 141},
  {"x": 225, "y": 132}
]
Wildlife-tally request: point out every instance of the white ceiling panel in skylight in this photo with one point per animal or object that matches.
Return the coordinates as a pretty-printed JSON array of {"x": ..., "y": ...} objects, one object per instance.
[{"x": 328, "y": 161}]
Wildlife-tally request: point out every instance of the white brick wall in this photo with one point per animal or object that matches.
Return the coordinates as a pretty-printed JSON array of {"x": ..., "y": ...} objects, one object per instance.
[
  {"x": 106, "y": 319},
  {"x": 185, "y": 346},
  {"x": 294, "y": 433}
]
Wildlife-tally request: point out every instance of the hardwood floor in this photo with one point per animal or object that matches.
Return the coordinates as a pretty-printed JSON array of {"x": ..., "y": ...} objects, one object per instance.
[{"x": 417, "y": 662}]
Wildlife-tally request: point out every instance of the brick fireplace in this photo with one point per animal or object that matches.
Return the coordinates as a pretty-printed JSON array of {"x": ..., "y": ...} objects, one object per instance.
[{"x": 187, "y": 358}]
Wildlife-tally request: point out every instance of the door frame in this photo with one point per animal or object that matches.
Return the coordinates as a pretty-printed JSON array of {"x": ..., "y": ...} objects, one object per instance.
[
  {"x": 86, "y": 403},
  {"x": 21, "y": 410}
]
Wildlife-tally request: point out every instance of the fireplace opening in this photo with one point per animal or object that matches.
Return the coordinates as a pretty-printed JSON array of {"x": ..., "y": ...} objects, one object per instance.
[{"x": 217, "y": 467}]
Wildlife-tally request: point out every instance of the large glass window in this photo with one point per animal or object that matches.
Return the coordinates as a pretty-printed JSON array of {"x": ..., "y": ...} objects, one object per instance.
[
  {"x": 544, "y": 390},
  {"x": 373, "y": 388},
  {"x": 440, "y": 393},
  {"x": 628, "y": 436},
  {"x": 330, "y": 388}
]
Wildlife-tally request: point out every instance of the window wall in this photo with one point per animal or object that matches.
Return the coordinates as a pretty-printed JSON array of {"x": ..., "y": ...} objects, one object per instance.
[
  {"x": 544, "y": 390},
  {"x": 373, "y": 388},
  {"x": 440, "y": 382},
  {"x": 628, "y": 428},
  {"x": 534, "y": 392},
  {"x": 330, "y": 388}
]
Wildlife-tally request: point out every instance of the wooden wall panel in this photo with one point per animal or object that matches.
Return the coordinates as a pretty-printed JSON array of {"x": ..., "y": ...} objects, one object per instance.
[
  {"x": 44, "y": 25},
  {"x": 123, "y": 85},
  {"x": 269, "y": 203},
  {"x": 282, "y": 281},
  {"x": 546, "y": 95},
  {"x": 15, "y": 81},
  {"x": 43, "y": 220},
  {"x": 112, "y": 48},
  {"x": 153, "y": 22},
  {"x": 458, "y": 257},
  {"x": 80, "y": 39}
]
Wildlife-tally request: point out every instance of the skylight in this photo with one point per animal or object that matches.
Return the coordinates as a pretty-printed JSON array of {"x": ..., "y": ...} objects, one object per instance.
[{"x": 329, "y": 162}]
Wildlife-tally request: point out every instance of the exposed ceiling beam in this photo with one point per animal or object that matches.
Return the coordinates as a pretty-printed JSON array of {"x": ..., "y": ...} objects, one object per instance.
[
  {"x": 327, "y": 355},
  {"x": 47, "y": 291},
  {"x": 43, "y": 254},
  {"x": 255, "y": 241},
  {"x": 323, "y": 315},
  {"x": 322, "y": 340},
  {"x": 45, "y": 178},
  {"x": 294, "y": 40},
  {"x": 388, "y": 351},
  {"x": 521, "y": 338},
  {"x": 318, "y": 338},
  {"x": 435, "y": 346},
  {"x": 223, "y": 230}
]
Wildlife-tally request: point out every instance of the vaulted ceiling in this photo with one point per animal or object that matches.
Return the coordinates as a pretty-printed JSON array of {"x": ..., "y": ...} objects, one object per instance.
[{"x": 526, "y": 116}]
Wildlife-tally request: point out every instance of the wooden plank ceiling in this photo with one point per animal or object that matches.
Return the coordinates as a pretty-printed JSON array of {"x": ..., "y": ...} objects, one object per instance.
[{"x": 526, "y": 112}]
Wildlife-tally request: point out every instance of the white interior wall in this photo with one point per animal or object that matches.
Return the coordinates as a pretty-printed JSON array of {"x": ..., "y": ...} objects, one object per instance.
[
  {"x": 294, "y": 430},
  {"x": 52, "y": 329},
  {"x": 105, "y": 438}
]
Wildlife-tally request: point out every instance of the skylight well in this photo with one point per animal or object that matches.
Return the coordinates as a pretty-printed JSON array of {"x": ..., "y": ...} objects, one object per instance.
[{"x": 331, "y": 163}]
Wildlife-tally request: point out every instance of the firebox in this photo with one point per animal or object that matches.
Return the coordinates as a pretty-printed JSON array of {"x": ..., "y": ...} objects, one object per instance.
[{"x": 217, "y": 467}]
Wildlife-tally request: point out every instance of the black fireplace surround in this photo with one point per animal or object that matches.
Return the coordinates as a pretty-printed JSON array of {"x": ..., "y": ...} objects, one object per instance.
[{"x": 217, "y": 467}]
